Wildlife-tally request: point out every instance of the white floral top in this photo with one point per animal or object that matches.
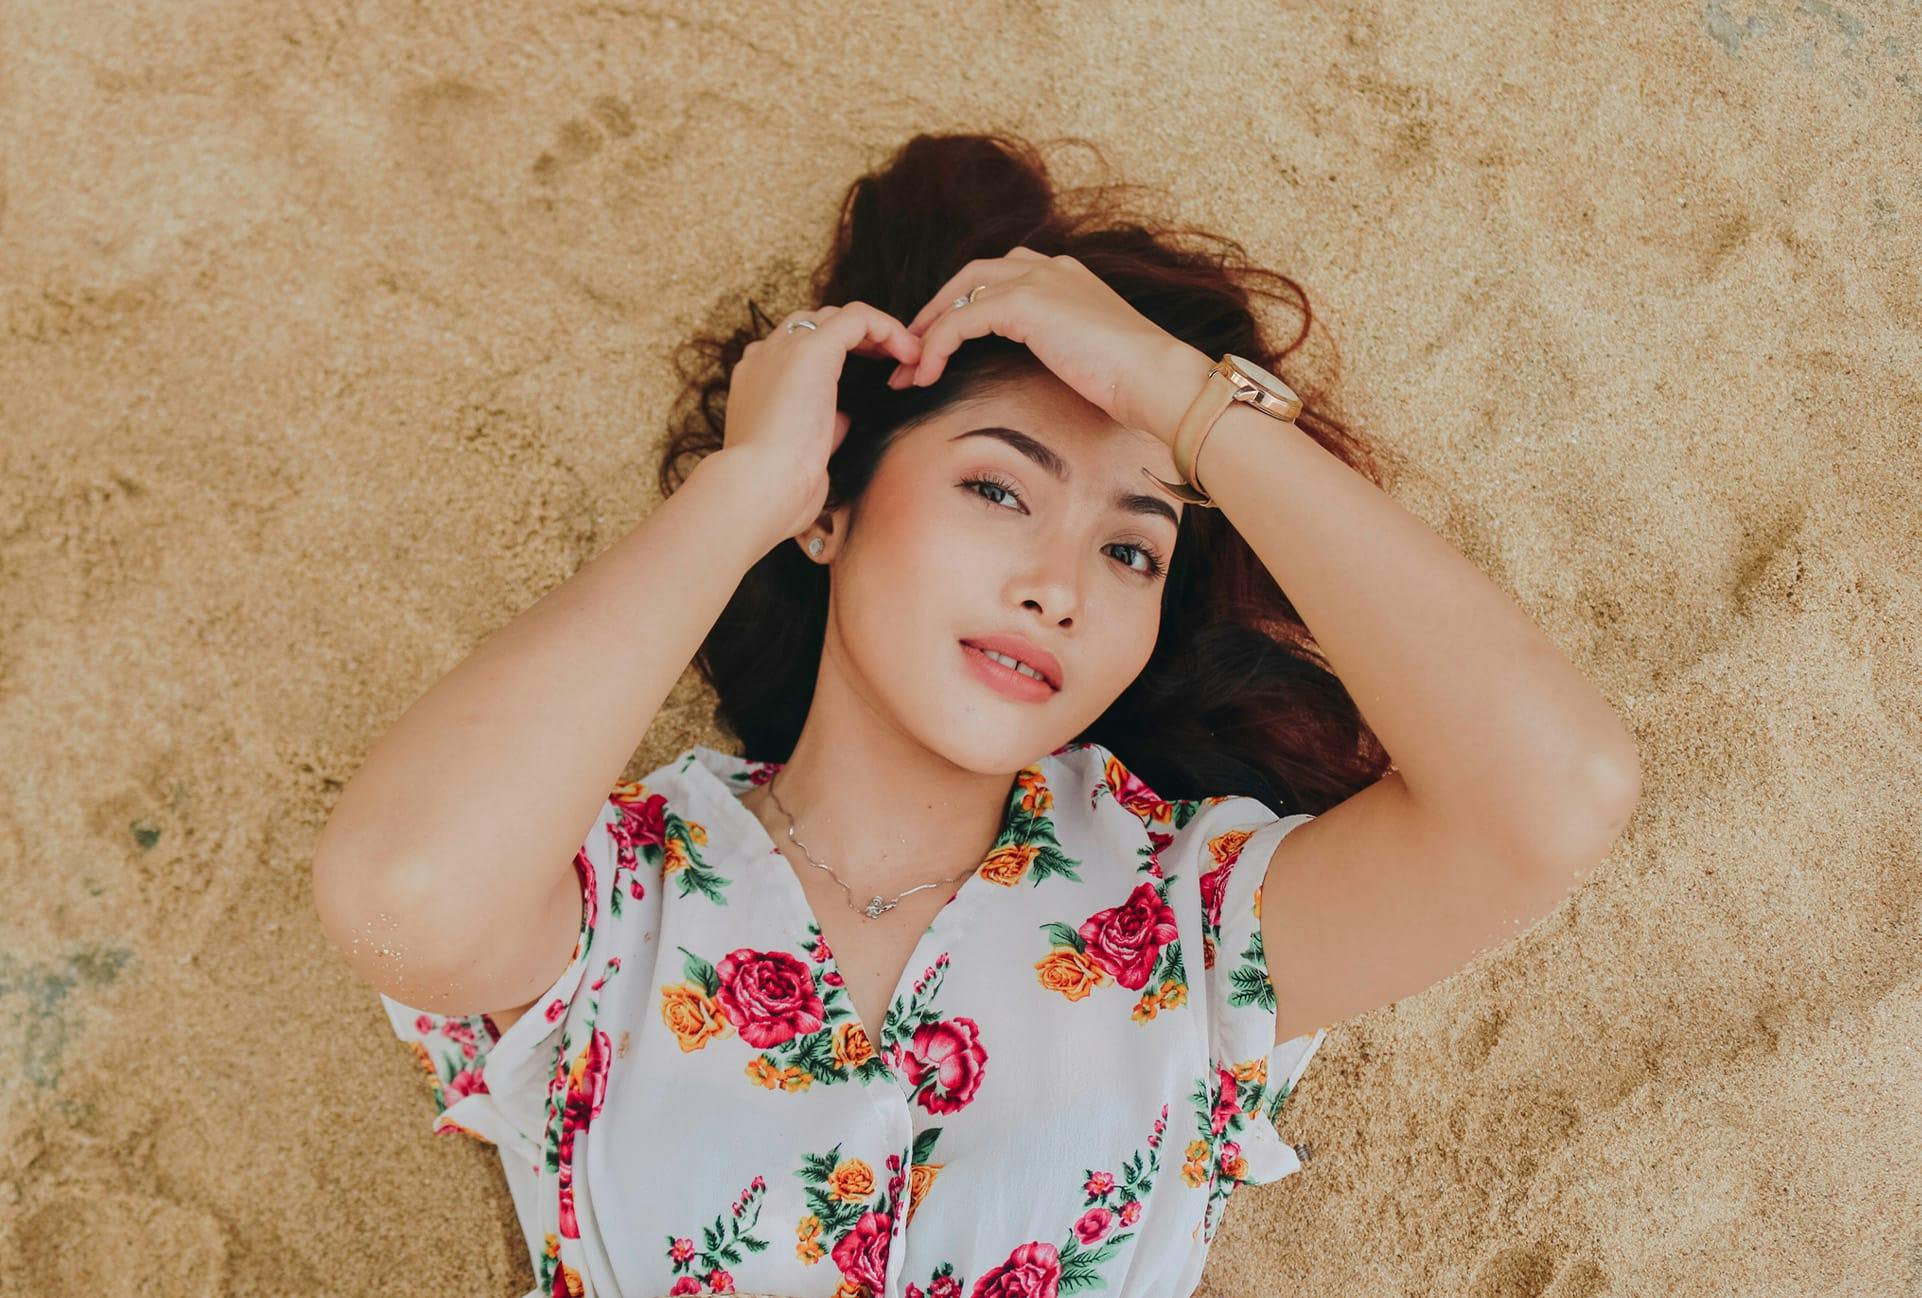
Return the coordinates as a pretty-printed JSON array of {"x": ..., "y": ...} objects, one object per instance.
[{"x": 1060, "y": 1099}]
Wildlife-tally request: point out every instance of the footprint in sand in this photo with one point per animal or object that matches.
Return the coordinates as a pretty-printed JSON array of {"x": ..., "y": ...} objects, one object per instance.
[{"x": 580, "y": 138}]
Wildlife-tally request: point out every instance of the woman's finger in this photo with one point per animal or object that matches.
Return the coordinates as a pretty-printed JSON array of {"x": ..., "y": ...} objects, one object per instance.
[
  {"x": 996, "y": 311},
  {"x": 866, "y": 329},
  {"x": 982, "y": 270}
]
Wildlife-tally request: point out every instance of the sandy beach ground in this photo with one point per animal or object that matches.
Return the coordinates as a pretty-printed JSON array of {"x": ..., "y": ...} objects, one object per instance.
[{"x": 335, "y": 335}]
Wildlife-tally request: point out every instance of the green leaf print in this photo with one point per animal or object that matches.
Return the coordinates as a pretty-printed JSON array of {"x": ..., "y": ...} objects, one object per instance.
[
  {"x": 1067, "y": 935},
  {"x": 700, "y": 972}
]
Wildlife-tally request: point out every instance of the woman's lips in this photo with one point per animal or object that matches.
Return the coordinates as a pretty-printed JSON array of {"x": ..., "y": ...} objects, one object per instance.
[{"x": 1006, "y": 679}]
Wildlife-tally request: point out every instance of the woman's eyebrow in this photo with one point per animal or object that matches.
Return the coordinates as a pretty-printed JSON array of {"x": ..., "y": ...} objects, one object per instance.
[{"x": 1133, "y": 502}]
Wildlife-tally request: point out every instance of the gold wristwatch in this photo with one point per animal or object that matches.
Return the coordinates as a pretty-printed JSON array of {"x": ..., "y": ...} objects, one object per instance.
[{"x": 1233, "y": 378}]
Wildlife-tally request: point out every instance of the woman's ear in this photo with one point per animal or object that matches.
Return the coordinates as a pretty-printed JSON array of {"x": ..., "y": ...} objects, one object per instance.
[{"x": 824, "y": 541}]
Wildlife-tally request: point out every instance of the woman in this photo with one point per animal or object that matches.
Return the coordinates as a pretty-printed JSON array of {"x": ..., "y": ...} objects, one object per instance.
[{"x": 961, "y": 981}]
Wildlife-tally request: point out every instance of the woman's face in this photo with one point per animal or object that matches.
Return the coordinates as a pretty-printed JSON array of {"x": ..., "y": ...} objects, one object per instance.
[{"x": 961, "y": 535}]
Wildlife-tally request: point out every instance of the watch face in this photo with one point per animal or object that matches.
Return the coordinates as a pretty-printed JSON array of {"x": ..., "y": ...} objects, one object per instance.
[{"x": 1261, "y": 376}]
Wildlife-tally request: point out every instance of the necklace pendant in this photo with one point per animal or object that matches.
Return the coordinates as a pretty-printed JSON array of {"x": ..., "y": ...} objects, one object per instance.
[{"x": 876, "y": 908}]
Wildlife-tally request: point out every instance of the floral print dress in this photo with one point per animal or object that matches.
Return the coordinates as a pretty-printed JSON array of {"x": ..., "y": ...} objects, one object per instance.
[{"x": 1076, "y": 1071}]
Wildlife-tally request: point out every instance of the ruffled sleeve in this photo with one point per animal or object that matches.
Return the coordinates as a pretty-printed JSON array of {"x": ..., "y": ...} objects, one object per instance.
[
  {"x": 492, "y": 1085},
  {"x": 1227, "y": 843}
]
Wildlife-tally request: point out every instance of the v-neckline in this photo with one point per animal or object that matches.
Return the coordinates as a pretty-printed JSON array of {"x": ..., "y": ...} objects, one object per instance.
[{"x": 770, "y": 854}]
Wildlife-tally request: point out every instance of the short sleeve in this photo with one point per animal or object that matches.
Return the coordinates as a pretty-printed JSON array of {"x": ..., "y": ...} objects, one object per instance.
[
  {"x": 1228, "y": 844},
  {"x": 491, "y": 1085}
]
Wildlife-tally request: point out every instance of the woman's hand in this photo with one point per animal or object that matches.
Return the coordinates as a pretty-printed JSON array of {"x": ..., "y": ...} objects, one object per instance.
[
  {"x": 1073, "y": 322},
  {"x": 780, "y": 404}
]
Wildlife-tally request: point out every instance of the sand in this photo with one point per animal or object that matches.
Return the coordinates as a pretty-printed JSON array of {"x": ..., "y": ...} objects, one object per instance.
[{"x": 336, "y": 334}]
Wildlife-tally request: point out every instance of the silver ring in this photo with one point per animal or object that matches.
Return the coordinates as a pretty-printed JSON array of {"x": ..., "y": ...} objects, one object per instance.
[
  {"x": 964, "y": 301},
  {"x": 792, "y": 325}
]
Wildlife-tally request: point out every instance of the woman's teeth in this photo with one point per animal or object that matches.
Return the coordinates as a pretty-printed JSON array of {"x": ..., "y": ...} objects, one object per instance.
[{"x": 1015, "y": 663}]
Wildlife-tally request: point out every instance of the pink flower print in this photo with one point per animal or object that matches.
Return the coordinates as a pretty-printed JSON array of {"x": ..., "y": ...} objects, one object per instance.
[
  {"x": 1227, "y": 1103},
  {"x": 682, "y": 1250},
  {"x": 950, "y": 1054},
  {"x": 1094, "y": 1224},
  {"x": 424, "y": 1024},
  {"x": 1126, "y": 940},
  {"x": 862, "y": 1253},
  {"x": 555, "y": 1009},
  {"x": 831, "y": 978},
  {"x": 946, "y": 1286},
  {"x": 768, "y": 996},
  {"x": 685, "y": 1285},
  {"x": 1230, "y": 1152},
  {"x": 1131, "y": 1212},
  {"x": 468, "y": 1081},
  {"x": 1033, "y": 1270},
  {"x": 820, "y": 953},
  {"x": 719, "y": 1281}
]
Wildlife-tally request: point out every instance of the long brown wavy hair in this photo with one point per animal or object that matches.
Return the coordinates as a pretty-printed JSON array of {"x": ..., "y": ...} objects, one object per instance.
[{"x": 1236, "y": 698}]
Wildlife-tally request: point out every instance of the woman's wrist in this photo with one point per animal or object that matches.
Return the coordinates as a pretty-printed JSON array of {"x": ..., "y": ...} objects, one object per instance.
[
  {"x": 1171, "y": 390},
  {"x": 758, "y": 496}
]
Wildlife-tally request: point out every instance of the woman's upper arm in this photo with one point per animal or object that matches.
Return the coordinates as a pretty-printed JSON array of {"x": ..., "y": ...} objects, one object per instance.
[{"x": 1372, "y": 901}]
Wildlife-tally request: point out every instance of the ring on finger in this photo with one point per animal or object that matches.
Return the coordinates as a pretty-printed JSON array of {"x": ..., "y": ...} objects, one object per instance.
[
  {"x": 792, "y": 325},
  {"x": 963, "y": 301}
]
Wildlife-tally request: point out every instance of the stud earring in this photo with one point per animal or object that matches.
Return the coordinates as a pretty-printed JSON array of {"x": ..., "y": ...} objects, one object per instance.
[{"x": 814, "y": 547}]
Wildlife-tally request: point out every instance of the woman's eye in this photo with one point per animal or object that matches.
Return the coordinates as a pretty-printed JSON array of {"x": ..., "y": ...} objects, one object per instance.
[
  {"x": 980, "y": 486},
  {"x": 992, "y": 485},
  {"x": 1153, "y": 568}
]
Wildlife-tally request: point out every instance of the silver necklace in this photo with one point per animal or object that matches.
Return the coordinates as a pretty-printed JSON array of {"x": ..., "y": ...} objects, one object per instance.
[{"x": 876, "y": 906}]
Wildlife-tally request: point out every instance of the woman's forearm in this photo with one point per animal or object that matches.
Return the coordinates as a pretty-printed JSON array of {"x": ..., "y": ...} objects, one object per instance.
[
  {"x": 467, "y": 811},
  {"x": 1487, "y": 722}
]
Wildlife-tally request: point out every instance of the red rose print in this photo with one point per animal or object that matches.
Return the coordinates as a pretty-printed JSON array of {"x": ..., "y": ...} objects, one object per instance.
[
  {"x": 769, "y": 996},
  {"x": 1228, "y": 1103},
  {"x": 1132, "y": 792},
  {"x": 951, "y": 1053},
  {"x": 1031, "y": 1271},
  {"x": 1213, "y": 884},
  {"x": 1126, "y": 940},
  {"x": 685, "y": 1285},
  {"x": 640, "y": 823},
  {"x": 591, "y": 901},
  {"x": 862, "y": 1253},
  {"x": 586, "y": 1090}
]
